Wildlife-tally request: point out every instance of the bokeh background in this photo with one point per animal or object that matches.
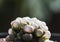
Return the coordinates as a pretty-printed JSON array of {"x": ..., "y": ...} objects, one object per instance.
[{"x": 45, "y": 10}]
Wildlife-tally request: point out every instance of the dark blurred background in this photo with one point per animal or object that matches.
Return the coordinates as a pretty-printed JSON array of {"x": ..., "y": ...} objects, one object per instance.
[{"x": 45, "y": 10}]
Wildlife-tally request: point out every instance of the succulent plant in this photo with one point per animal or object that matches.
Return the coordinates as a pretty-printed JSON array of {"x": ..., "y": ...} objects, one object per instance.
[{"x": 29, "y": 29}]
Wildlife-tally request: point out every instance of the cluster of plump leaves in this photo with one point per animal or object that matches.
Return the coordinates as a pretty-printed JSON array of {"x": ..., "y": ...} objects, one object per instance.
[{"x": 29, "y": 29}]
